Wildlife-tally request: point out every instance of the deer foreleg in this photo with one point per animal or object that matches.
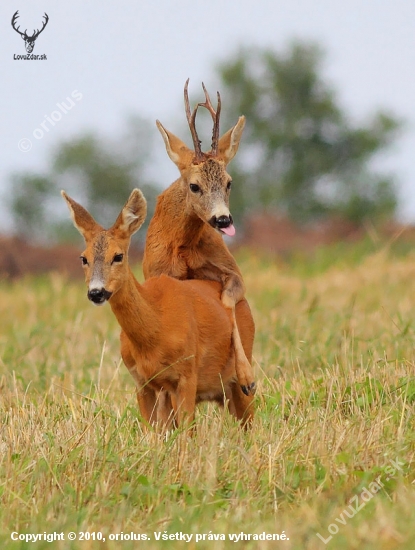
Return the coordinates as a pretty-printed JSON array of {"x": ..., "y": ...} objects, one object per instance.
[
  {"x": 233, "y": 291},
  {"x": 146, "y": 397},
  {"x": 243, "y": 367}
]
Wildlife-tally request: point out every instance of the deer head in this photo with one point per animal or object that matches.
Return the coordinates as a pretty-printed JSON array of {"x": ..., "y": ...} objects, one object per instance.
[
  {"x": 204, "y": 178},
  {"x": 105, "y": 259},
  {"x": 29, "y": 41}
]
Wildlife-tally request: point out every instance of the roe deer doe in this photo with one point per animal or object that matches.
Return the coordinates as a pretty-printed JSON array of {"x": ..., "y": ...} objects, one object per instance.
[
  {"x": 176, "y": 336},
  {"x": 183, "y": 238}
]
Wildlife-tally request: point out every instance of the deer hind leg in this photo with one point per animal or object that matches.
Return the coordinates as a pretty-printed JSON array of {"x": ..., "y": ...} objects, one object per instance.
[
  {"x": 147, "y": 402},
  {"x": 185, "y": 399},
  {"x": 229, "y": 402},
  {"x": 165, "y": 410},
  {"x": 241, "y": 406}
]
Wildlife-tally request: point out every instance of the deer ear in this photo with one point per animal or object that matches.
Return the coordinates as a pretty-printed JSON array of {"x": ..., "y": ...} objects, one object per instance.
[
  {"x": 82, "y": 219},
  {"x": 229, "y": 142},
  {"x": 133, "y": 215},
  {"x": 178, "y": 151}
]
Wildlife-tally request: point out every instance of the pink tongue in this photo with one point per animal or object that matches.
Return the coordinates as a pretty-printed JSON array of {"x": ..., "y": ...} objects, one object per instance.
[{"x": 230, "y": 231}]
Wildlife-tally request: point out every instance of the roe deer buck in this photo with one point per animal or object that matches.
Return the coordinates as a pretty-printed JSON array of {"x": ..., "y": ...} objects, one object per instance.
[
  {"x": 183, "y": 238},
  {"x": 176, "y": 336}
]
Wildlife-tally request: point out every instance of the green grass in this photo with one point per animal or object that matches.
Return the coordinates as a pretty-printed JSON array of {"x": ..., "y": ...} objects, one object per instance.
[{"x": 334, "y": 358}]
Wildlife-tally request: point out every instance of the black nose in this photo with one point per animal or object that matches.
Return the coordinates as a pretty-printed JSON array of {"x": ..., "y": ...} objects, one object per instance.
[
  {"x": 98, "y": 296},
  {"x": 222, "y": 221}
]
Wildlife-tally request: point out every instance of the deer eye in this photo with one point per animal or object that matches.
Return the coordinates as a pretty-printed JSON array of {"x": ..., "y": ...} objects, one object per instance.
[
  {"x": 229, "y": 185},
  {"x": 84, "y": 260},
  {"x": 194, "y": 188},
  {"x": 117, "y": 258}
]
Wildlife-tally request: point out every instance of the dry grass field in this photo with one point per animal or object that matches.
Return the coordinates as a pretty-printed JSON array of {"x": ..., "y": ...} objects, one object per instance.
[{"x": 331, "y": 452}]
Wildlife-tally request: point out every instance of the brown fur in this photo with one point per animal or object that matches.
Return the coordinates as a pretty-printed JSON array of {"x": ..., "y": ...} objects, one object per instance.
[
  {"x": 180, "y": 240},
  {"x": 176, "y": 336}
]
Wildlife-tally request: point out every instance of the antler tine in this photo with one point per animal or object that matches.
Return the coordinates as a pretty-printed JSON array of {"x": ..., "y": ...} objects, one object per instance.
[
  {"x": 14, "y": 19},
  {"x": 215, "y": 117},
  {"x": 37, "y": 32},
  {"x": 215, "y": 132},
  {"x": 208, "y": 103},
  {"x": 191, "y": 119}
]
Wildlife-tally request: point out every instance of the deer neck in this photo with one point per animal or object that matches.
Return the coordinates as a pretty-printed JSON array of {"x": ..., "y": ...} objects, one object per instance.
[
  {"x": 135, "y": 314},
  {"x": 185, "y": 228}
]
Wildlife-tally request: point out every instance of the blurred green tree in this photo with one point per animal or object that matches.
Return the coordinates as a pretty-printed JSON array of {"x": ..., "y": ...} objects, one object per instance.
[
  {"x": 99, "y": 173},
  {"x": 29, "y": 194},
  {"x": 300, "y": 153}
]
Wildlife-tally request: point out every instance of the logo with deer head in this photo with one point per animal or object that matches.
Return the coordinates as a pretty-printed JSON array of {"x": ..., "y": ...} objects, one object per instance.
[{"x": 29, "y": 41}]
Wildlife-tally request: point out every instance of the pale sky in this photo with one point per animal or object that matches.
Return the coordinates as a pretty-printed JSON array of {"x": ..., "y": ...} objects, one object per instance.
[{"x": 134, "y": 57}]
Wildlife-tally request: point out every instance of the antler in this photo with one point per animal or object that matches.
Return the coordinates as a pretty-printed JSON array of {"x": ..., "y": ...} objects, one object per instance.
[
  {"x": 215, "y": 117},
  {"x": 24, "y": 34},
  {"x": 191, "y": 119},
  {"x": 14, "y": 19},
  {"x": 36, "y": 34}
]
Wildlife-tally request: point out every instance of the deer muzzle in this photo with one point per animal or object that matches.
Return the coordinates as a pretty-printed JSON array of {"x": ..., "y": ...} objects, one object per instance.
[
  {"x": 224, "y": 224},
  {"x": 99, "y": 296}
]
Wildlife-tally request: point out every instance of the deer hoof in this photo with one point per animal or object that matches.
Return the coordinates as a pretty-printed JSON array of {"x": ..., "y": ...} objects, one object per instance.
[{"x": 249, "y": 390}]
